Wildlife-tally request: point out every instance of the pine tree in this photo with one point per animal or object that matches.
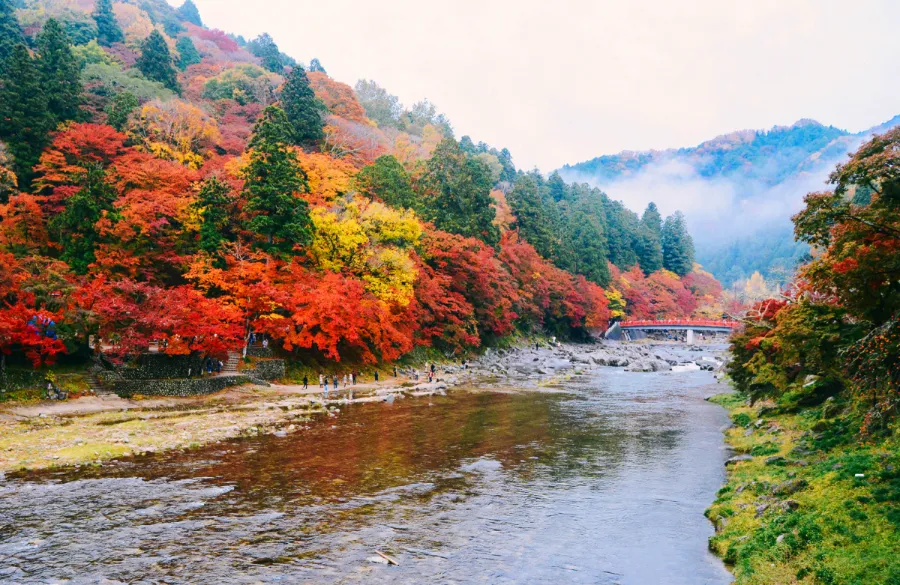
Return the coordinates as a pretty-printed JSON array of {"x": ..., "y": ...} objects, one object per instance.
[
  {"x": 458, "y": 193},
  {"x": 60, "y": 73},
  {"x": 532, "y": 219},
  {"x": 155, "y": 61},
  {"x": 652, "y": 219},
  {"x": 677, "y": 244},
  {"x": 273, "y": 177},
  {"x": 265, "y": 48},
  {"x": 588, "y": 242},
  {"x": 557, "y": 187},
  {"x": 187, "y": 53},
  {"x": 75, "y": 228},
  {"x": 189, "y": 13},
  {"x": 25, "y": 121},
  {"x": 213, "y": 202},
  {"x": 315, "y": 65},
  {"x": 10, "y": 32},
  {"x": 387, "y": 180},
  {"x": 108, "y": 30},
  {"x": 649, "y": 243},
  {"x": 303, "y": 109}
]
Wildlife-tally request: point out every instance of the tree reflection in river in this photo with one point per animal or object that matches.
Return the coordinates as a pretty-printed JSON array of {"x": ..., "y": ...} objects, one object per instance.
[{"x": 604, "y": 483}]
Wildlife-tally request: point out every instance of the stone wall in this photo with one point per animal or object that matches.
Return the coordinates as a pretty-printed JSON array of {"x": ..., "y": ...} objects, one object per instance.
[
  {"x": 153, "y": 366},
  {"x": 178, "y": 387},
  {"x": 268, "y": 370},
  {"x": 258, "y": 351}
]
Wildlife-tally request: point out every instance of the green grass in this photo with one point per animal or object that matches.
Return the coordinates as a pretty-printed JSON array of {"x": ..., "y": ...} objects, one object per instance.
[{"x": 839, "y": 529}]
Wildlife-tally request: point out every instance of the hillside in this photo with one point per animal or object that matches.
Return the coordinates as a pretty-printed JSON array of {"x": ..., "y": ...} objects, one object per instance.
[
  {"x": 169, "y": 185},
  {"x": 758, "y": 176}
]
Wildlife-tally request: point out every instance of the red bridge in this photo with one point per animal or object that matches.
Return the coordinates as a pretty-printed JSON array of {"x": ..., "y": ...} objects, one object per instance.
[{"x": 689, "y": 325}]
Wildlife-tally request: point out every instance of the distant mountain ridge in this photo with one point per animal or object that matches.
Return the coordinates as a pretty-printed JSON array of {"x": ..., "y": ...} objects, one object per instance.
[{"x": 757, "y": 176}]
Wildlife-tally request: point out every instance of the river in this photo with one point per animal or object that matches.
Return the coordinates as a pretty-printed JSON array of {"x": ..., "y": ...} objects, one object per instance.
[{"x": 601, "y": 481}]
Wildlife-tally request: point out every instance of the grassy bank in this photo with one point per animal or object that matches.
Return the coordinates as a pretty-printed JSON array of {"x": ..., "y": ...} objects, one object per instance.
[{"x": 813, "y": 504}]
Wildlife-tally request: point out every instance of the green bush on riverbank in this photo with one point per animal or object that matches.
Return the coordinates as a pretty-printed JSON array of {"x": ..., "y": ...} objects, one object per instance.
[{"x": 802, "y": 513}]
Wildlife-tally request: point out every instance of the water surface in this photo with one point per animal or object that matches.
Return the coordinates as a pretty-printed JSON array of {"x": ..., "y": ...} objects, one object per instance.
[{"x": 602, "y": 481}]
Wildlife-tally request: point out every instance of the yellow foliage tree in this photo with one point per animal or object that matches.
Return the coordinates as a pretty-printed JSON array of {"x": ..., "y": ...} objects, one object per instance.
[
  {"x": 175, "y": 130},
  {"x": 370, "y": 241},
  {"x": 328, "y": 177}
]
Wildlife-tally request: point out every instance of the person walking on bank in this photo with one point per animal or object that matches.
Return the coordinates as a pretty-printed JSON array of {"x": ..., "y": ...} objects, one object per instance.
[
  {"x": 376, "y": 376},
  {"x": 326, "y": 388},
  {"x": 334, "y": 379},
  {"x": 321, "y": 381},
  {"x": 305, "y": 382}
]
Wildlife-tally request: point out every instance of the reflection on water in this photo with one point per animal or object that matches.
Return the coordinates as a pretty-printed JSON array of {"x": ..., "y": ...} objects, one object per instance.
[{"x": 603, "y": 483}]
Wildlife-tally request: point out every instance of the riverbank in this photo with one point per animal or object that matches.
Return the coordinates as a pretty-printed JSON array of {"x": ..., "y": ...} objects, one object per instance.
[
  {"x": 93, "y": 430},
  {"x": 806, "y": 500}
]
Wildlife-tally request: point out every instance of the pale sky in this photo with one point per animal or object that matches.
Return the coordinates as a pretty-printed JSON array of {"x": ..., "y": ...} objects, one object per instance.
[{"x": 564, "y": 81}]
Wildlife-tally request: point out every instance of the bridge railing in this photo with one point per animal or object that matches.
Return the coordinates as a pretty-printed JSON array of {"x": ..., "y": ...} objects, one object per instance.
[{"x": 720, "y": 323}]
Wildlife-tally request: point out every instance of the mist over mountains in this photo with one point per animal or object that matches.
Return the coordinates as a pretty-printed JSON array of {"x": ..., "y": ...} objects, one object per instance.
[{"x": 738, "y": 190}]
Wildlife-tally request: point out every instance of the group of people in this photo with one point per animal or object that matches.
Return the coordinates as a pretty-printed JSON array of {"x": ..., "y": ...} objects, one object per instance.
[{"x": 326, "y": 383}]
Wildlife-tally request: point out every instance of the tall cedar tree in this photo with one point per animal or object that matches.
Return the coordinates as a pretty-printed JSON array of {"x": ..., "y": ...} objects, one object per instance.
[
  {"x": 532, "y": 220},
  {"x": 265, "y": 48},
  {"x": 75, "y": 228},
  {"x": 189, "y": 13},
  {"x": 649, "y": 240},
  {"x": 458, "y": 197},
  {"x": 187, "y": 53},
  {"x": 678, "y": 246},
  {"x": 10, "y": 32},
  {"x": 315, "y": 65},
  {"x": 155, "y": 61},
  {"x": 108, "y": 30},
  {"x": 303, "y": 109},
  {"x": 588, "y": 244},
  {"x": 213, "y": 203},
  {"x": 273, "y": 180},
  {"x": 26, "y": 120},
  {"x": 387, "y": 180},
  {"x": 60, "y": 73}
]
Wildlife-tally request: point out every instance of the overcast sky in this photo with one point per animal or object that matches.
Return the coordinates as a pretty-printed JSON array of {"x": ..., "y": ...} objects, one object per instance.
[{"x": 564, "y": 81}]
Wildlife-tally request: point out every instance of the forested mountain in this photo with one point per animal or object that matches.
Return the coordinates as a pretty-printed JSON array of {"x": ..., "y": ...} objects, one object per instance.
[
  {"x": 163, "y": 181},
  {"x": 740, "y": 189}
]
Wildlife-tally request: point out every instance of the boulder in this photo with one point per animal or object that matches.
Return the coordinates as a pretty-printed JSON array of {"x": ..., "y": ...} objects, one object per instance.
[
  {"x": 738, "y": 459},
  {"x": 789, "y": 487}
]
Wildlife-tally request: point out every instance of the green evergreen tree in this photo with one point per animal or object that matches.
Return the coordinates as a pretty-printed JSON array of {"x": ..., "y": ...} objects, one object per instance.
[
  {"x": 75, "y": 228},
  {"x": 189, "y": 13},
  {"x": 10, "y": 32},
  {"x": 265, "y": 48},
  {"x": 589, "y": 246},
  {"x": 623, "y": 227},
  {"x": 273, "y": 177},
  {"x": 387, "y": 180},
  {"x": 26, "y": 120},
  {"x": 187, "y": 53},
  {"x": 649, "y": 250},
  {"x": 60, "y": 73},
  {"x": 458, "y": 193},
  {"x": 557, "y": 187},
  {"x": 315, "y": 65},
  {"x": 678, "y": 246},
  {"x": 652, "y": 219},
  {"x": 108, "y": 30},
  {"x": 155, "y": 62},
  {"x": 213, "y": 203},
  {"x": 120, "y": 108},
  {"x": 303, "y": 109},
  {"x": 532, "y": 218}
]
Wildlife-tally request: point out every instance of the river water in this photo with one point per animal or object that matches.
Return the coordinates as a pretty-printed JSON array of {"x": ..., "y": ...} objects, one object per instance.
[{"x": 602, "y": 481}]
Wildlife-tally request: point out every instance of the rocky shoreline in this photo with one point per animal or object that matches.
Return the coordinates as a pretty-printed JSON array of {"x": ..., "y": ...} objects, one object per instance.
[{"x": 90, "y": 431}]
